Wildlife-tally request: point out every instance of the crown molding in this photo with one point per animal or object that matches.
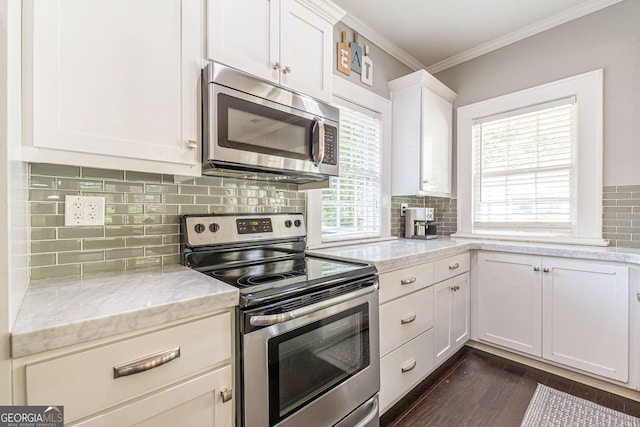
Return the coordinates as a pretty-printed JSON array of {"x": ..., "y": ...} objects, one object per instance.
[
  {"x": 327, "y": 9},
  {"x": 424, "y": 79},
  {"x": 382, "y": 42},
  {"x": 521, "y": 34}
]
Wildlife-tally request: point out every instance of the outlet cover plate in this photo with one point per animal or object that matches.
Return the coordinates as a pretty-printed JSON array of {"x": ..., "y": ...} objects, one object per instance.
[{"x": 83, "y": 210}]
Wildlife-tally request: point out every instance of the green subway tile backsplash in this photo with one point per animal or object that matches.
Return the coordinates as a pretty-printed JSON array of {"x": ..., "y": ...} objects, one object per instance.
[{"x": 142, "y": 216}]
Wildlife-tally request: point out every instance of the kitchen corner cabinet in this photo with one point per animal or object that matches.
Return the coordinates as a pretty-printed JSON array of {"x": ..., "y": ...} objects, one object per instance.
[
  {"x": 572, "y": 312},
  {"x": 281, "y": 41},
  {"x": 422, "y": 133},
  {"x": 191, "y": 386},
  {"x": 413, "y": 319},
  {"x": 113, "y": 84}
]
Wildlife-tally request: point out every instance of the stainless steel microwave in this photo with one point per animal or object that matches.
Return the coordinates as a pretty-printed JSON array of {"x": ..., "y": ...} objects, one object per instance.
[{"x": 257, "y": 130}]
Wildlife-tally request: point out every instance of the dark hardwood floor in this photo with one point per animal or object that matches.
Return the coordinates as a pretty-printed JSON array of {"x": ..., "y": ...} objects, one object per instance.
[{"x": 480, "y": 389}]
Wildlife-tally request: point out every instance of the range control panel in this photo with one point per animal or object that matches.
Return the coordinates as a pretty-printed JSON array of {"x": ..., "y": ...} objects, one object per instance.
[{"x": 217, "y": 229}]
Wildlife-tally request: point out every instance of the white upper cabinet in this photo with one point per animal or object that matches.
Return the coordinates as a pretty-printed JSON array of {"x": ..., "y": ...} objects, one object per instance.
[
  {"x": 281, "y": 41},
  {"x": 422, "y": 135},
  {"x": 113, "y": 83}
]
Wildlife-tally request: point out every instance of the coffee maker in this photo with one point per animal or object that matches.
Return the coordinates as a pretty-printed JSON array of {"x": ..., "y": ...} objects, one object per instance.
[{"x": 419, "y": 223}]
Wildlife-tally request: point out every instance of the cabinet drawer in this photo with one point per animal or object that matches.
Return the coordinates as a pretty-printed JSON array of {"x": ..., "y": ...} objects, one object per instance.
[
  {"x": 394, "y": 383},
  {"x": 397, "y": 283},
  {"x": 405, "y": 318},
  {"x": 84, "y": 382},
  {"x": 449, "y": 267}
]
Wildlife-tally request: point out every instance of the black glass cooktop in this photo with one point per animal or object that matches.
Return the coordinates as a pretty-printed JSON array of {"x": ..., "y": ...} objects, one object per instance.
[{"x": 274, "y": 278}]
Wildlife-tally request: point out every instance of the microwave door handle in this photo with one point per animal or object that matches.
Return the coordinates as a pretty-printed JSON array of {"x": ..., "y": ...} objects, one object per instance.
[{"x": 317, "y": 145}]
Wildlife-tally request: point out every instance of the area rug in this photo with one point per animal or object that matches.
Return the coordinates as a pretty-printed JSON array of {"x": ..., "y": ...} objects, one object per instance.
[{"x": 551, "y": 408}]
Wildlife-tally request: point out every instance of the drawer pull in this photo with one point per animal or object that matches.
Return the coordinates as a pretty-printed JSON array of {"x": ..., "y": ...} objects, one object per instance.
[
  {"x": 226, "y": 395},
  {"x": 146, "y": 363},
  {"x": 454, "y": 266},
  {"x": 407, "y": 281},
  {"x": 408, "y": 319},
  {"x": 409, "y": 366}
]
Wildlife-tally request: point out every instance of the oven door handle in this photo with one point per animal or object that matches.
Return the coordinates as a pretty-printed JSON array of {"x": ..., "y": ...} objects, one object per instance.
[{"x": 274, "y": 319}]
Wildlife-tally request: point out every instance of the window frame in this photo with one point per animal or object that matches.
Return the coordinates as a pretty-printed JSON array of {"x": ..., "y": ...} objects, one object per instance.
[
  {"x": 354, "y": 94},
  {"x": 588, "y": 90}
]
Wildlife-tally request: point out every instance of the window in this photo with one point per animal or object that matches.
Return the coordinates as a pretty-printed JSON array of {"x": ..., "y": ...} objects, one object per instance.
[
  {"x": 530, "y": 163},
  {"x": 523, "y": 170},
  {"x": 351, "y": 206},
  {"x": 356, "y": 206}
]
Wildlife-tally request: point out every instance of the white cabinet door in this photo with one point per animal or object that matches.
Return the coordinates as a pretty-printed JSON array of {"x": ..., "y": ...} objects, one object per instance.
[
  {"x": 277, "y": 40},
  {"x": 196, "y": 402},
  {"x": 450, "y": 316},
  {"x": 422, "y": 136},
  {"x": 461, "y": 311},
  {"x": 244, "y": 34},
  {"x": 306, "y": 42},
  {"x": 586, "y": 316},
  {"x": 114, "y": 78},
  {"x": 510, "y": 301},
  {"x": 437, "y": 125}
]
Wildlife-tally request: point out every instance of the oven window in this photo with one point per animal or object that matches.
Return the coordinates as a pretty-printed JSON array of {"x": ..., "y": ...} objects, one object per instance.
[
  {"x": 248, "y": 126},
  {"x": 309, "y": 361}
]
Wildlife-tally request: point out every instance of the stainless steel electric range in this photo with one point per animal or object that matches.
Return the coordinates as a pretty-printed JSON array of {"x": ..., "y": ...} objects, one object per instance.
[{"x": 307, "y": 351}]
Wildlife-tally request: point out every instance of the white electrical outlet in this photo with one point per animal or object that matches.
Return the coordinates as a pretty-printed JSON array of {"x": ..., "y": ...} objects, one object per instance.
[{"x": 83, "y": 210}]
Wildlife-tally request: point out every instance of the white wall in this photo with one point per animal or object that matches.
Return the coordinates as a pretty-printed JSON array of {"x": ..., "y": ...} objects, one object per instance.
[
  {"x": 608, "y": 39},
  {"x": 13, "y": 188}
]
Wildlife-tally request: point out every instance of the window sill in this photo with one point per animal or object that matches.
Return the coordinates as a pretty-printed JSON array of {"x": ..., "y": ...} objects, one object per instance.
[
  {"x": 533, "y": 239},
  {"x": 326, "y": 245}
]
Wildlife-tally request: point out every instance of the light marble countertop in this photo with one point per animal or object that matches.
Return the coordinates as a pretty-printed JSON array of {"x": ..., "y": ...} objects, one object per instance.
[
  {"x": 400, "y": 253},
  {"x": 61, "y": 312}
]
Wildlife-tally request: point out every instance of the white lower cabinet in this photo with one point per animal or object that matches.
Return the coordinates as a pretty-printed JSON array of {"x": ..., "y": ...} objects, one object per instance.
[
  {"x": 510, "y": 301},
  {"x": 585, "y": 323},
  {"x": 414, "y": 318},
  {"x": 162, "y": 377},
  {"x": 572, "y": 312},
  {"x": 451, "y": 316}
]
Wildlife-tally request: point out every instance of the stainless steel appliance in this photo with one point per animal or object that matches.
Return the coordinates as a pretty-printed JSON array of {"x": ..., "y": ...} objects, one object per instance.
[
  {"x": 307, "y": 327},
  {"x": 419, "y": 223},
  {"x": 255, "y": 129}
]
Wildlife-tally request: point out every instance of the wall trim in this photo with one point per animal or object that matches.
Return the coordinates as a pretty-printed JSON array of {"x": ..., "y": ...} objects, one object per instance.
[
  {"x": 398, "y": 53},
  {"x": 382, "y": 42},
  {"x": 521, "y": 34}
]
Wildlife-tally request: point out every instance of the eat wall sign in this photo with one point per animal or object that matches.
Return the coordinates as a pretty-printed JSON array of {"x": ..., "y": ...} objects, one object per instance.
[{"x": 351, "y": 57}]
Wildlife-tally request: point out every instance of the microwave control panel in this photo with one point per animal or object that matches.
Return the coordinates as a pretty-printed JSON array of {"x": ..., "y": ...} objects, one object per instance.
[{"x": 330, "y": 145}]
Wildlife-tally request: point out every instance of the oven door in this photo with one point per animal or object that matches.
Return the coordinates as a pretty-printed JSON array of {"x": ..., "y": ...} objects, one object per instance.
[
  {"x": 267, "y": 135},
  {"x": 316, "y": 369}
]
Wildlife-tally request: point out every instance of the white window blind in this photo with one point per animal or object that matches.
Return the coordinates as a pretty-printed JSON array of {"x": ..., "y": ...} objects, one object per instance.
[
  {"x": 524, "y": 170},
  {"x": 351, "y": 206}
]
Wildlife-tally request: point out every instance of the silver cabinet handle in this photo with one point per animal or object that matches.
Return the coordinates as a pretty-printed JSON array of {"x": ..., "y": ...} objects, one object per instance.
[
  {"x": 276, "y": 66},
  {"x": 638, "y": 296},
  {"x": 408, "y": 319},
  {"x": 226, "y": 394},
  {"x": 454, "y": 266},
  {"x": 546, "y": 269},
  {"x": 408, "y": 281},
  {"x": 192, "y": 144},
  {"x": 536, "y": 268},
  {"x": 273, "y": 319},
  {"x": 146, "y": 363},
  {"x": 287, "y": 70},
  {"x": 409, "y": 366}
]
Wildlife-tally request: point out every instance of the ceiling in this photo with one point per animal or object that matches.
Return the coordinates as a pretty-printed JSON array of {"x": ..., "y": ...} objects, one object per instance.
[{"x": 440, "y": 34}]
